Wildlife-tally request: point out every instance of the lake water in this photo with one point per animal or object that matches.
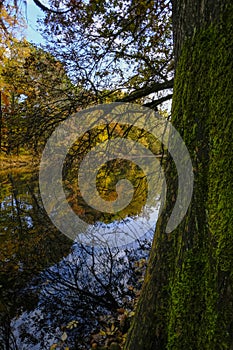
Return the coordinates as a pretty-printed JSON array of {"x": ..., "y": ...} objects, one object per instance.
[{"x": 54, "y": 288}]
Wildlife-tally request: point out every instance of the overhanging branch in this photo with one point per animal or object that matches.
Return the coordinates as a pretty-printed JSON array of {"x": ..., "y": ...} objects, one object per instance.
[
  {"x": 143, "y": 92},
  {"x": 157, "y": 102}
]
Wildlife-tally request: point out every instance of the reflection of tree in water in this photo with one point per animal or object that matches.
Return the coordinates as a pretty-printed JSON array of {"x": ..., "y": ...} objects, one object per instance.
[
  {"x": 29, "y": 243},
  {"x": 88, "y": 286},
  {"x": 111, "y": 172},
  {"x": 84, "y": 287}
]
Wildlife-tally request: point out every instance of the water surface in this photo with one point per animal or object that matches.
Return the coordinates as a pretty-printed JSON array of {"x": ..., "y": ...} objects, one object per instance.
[{"x": 48, "y": 281}]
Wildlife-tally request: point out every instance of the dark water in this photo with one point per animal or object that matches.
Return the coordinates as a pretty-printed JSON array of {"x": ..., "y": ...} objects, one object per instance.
[
  {"x": 29, "y": 243},
  {"x": 54, "y": 290}
]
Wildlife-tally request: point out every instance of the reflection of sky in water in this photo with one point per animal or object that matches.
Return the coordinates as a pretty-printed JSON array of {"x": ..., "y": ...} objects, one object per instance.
[
  {"x": 52, "y": 280},
  {"x": 9, "y": 209},
  {"x": 124, "y": 232},
  {"x": 40, "y": 328}
]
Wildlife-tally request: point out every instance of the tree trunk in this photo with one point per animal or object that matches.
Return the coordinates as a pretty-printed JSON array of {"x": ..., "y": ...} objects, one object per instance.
[{"x": 186, "y": 301}]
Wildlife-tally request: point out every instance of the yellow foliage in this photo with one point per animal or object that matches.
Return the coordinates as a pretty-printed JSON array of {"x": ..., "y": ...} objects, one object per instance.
[
  {"x": 11, "y": 26},
  {"x": 12, "y": 22}
]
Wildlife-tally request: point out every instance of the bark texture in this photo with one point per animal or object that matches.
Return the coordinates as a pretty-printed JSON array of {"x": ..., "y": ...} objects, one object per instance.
[
  {"x": 191, "y": 16},
  {"x": 187, "y": 297}
]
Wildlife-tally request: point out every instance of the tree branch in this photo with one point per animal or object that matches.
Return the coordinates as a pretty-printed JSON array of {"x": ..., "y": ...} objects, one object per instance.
[
  {"x": 157, "y": 102},
  {"x": 46, "y": 9},
  {"x": 143, "y": 92}
]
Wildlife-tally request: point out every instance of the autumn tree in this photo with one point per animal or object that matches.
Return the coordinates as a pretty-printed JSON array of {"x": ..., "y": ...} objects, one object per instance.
[
  {"x": 112, "y": 46},
  {"x": 187, "y": 298},
  {"x": 11, "y": 30},
  {"x": 39, "y": 96}
]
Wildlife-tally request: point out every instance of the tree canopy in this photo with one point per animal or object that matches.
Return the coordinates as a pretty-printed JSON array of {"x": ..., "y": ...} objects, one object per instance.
[
  {"x": 37, "y": 94},
  {"x": 114, "y": 46},
  {"x": 109, "y": 51}
]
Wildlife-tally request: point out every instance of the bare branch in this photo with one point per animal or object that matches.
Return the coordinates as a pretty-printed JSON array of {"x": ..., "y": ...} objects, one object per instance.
[
  {"x": 157, "y": 102},
  {"x": 143, "y": 92}
]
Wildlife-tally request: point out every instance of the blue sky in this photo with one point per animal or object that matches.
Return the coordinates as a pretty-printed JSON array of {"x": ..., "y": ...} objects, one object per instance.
[{"x": 33, "y": 13}]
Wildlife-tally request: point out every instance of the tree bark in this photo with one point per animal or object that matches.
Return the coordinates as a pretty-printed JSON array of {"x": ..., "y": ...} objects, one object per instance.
[
  {"x": 192, "y": 16},
  {"x": 186, "y": 300}
]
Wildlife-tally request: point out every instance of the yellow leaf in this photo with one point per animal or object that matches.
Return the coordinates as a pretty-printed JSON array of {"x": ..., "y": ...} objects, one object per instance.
[
  {"x": 52, "y": 347},
  {"x": 64, "y": 336},
  {"x": 102, "y": 332}
]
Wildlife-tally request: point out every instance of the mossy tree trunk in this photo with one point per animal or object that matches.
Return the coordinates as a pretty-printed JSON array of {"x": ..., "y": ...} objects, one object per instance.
[{"x": 187, "y": 297}]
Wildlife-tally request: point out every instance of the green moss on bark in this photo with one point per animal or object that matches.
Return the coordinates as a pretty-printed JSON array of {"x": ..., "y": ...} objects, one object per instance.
[
  {"x": 201, "y": 309},
  {"x": 187, "y": 298}
]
